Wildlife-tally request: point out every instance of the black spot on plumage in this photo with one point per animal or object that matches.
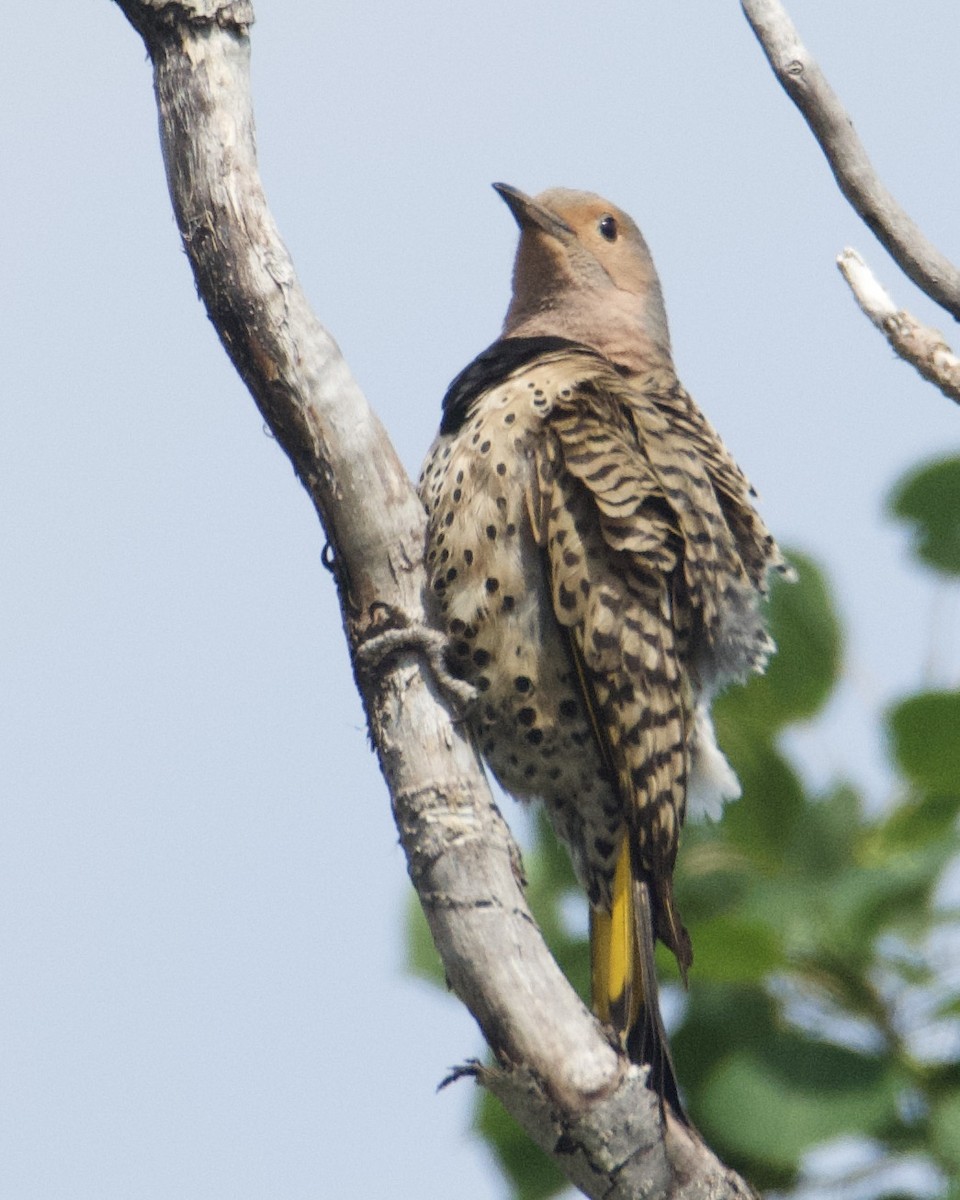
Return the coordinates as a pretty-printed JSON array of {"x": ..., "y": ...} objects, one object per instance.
[
  {"x": 568, "y": 601},
  {"x": 601, "y": 641}
]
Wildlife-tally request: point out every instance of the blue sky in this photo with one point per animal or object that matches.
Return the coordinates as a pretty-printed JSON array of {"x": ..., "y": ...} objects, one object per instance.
[{"x": 201, "y": 893}]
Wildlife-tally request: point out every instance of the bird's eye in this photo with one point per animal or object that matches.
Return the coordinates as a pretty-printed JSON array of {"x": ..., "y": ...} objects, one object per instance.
[{"x": 608, "y": 228}]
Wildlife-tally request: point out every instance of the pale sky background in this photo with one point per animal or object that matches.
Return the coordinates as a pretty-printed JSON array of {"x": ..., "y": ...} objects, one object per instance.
[{"x": 201, "y": 892}]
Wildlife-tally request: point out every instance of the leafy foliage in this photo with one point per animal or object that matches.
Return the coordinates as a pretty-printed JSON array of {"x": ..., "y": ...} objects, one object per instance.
[
  {"x": 819, "y": 1006},
  {"x": 929, "y": 499}
]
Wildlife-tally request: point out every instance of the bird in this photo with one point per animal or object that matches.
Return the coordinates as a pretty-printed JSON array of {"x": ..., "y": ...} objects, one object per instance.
[{"x": 597, "y": 567}]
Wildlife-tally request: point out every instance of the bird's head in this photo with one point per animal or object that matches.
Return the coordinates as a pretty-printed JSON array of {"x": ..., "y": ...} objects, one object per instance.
[{"x": 583, "y": 271}]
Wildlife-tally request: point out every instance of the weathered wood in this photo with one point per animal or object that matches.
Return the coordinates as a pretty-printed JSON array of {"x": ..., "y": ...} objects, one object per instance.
[{"x": 922, "y": 347}]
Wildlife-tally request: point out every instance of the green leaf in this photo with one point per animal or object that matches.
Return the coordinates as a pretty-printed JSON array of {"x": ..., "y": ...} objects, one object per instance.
[
  {"x": 916, "y": 822},
  {"x": 929, "y": 499},
  {"x": 772, "y": 1102},
  {"x": 825, "y": 844},
  {"x": 532, "y": 1173},
  {"x": 549, "y": 867},
  {"x": 925, "y": 737},
  {"x": 550, "y": 885},
  {"x": 731, "y": 949},
  {"x": 422, "y": 956},
  {"x": 801, "y": 675},
  {"x": 713, "y": 875},
  {"x": 945, "y": 1129},
  {"x": 771, "y": 814},
  {"x": 867, "y": 901}
]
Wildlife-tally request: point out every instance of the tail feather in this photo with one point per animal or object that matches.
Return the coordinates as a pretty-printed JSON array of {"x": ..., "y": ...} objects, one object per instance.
[{"x": 624, "y": 979}]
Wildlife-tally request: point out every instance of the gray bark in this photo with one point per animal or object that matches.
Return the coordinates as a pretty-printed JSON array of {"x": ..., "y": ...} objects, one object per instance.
[
  {"x": 807, "y": 87},
  {"x": 923, "y": 347},
  {"x": 558, "y": 1074}
]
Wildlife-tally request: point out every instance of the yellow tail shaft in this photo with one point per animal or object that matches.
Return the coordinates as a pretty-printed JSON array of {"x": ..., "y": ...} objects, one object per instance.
[
  {"x": 613, "y": 952},
  {"x": 624, "y": 982}
]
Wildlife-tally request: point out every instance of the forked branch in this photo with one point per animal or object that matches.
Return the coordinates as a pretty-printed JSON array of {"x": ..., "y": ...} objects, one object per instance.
[{"x": 807, "y": 87}]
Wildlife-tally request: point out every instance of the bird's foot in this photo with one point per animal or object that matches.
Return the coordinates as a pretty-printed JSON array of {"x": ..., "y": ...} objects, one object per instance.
[{"x": 379, "y": 646}]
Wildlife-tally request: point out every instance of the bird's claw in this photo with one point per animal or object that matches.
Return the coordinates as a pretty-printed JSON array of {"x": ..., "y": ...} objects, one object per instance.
[{"x": 432, "y": 644}]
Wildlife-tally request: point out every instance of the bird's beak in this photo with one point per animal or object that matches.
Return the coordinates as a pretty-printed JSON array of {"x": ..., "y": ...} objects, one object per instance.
[{"x": 528, "y": 213}]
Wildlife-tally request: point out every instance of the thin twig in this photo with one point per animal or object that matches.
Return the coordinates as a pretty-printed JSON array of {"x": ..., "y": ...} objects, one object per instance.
[
  {"x": 807, "y": 87},
  {"x": 920, "y": 345}
]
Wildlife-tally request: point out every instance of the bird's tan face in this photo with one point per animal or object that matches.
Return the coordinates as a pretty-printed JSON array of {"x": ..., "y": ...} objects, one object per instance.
[
  {"x": 606, "y": 233},
  {"x": 583, "y": 266}
]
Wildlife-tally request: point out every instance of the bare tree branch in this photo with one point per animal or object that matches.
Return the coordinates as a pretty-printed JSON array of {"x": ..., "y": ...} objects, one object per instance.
[
  {"x": 557, "y": 1072},
  {"x": 805, "y": 84},
  {"x": 920, "y": 345}
]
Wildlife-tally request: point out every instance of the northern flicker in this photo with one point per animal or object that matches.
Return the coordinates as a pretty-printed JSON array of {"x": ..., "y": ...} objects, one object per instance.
[{"x": 596, "y": 562}]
